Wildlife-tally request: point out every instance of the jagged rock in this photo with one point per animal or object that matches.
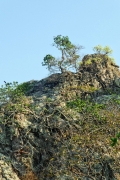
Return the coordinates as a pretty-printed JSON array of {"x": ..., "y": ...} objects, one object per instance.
[
  {"x": 53, "y": 141},
  {"x": 105, "y": 99},
  {"x": 6, "y": 169},
  {"x": 96, "y": 72}
]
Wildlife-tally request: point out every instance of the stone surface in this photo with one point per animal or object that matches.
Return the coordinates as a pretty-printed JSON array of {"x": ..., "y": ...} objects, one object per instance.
[{"x": 46, "y": 137}]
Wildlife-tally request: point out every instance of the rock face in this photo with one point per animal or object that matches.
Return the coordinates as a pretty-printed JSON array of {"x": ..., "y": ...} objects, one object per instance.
[
  {"x": 97, "y": 75},
  {"x": 102, "y": 73},
  {"x": 46, "y": 140}
]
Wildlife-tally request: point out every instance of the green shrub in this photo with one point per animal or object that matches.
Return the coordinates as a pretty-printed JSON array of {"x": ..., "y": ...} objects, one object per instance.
[{"x": 102, "y": 50}]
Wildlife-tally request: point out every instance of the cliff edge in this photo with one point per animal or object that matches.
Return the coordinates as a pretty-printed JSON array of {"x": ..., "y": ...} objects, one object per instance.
[{"x": 62, "y": 128}]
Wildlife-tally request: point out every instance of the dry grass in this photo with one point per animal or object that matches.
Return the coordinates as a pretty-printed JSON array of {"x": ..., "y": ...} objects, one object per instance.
[{"x": 30, "y": 175}]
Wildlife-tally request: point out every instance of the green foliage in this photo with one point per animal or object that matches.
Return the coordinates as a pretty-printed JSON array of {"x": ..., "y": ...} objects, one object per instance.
[
  {"x": 115, "y": 99},
  {"x": 102, "y": 50},
  {"x": 85, "y": 88},
  {"x": 85, "y": 106},
  {"x": 94, "y": 59},
  {"x": 15, "y": 94},
  {"x": 7, "y": 91},
  {"x": 62, "y": 43},
  {"x": 107, "y": 50},
  {"x": 22, "y": 88},
  {"x": 49, "y": 61},
  {"x": 115, "y": 140},
  {"x": 77, "y": 104},
  {"x": 13, "y": 102},
  {"x": 69, "y": 57},
  {"x": 72, "y": 138},
  {"x": 113, "y": 60},
  {"x": 98, "y": 49}
]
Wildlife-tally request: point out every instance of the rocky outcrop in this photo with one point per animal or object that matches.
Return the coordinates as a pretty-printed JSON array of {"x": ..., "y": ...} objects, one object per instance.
[
  {"x": 45, "y": 139},
  {"x": 97, "y": 75}
]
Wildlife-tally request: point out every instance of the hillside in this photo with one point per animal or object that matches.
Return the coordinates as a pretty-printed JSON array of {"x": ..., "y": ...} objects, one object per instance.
[{"x": 62, "y": 128}]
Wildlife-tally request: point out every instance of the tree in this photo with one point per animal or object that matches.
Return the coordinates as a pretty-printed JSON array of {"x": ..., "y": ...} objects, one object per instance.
[
  {"x": 98, "y": 49},
  {"x": 6, "y": 92},
  {"x": 102, "y": 50},
  {"x": 107, "y": 50},
  {"x": 69, "y": 56},
  {"x": 13, "y": 92}
]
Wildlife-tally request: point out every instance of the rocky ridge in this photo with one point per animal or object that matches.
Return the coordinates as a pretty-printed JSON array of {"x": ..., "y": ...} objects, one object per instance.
[{"x": 48, "y": 140}]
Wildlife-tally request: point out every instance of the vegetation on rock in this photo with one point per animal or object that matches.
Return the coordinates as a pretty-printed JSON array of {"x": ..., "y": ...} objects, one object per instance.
[
  {"x": 102, "y": 50},
  {"x": 69, "y": 56},
  {"x": 75, "y": 134},
  {"x": 68, "y": 126}
]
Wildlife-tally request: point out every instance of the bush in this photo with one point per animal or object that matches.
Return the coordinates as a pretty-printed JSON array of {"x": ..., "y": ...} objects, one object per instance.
[{"x": 102, "y": 50}]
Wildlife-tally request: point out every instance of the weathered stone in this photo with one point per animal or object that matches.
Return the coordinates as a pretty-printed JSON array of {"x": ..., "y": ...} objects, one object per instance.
[{"x": 47, "y": 139}]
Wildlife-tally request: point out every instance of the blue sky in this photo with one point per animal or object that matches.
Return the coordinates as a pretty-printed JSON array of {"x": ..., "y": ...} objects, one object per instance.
[{"x": 27, "y": 28}]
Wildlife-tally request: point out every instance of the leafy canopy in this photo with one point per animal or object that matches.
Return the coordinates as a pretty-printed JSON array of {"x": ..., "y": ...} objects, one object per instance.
[{"x": 69, "y": 56}]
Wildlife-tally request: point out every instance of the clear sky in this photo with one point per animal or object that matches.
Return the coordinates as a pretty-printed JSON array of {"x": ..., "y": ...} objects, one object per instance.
[{"x": 27, "y": 28}]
